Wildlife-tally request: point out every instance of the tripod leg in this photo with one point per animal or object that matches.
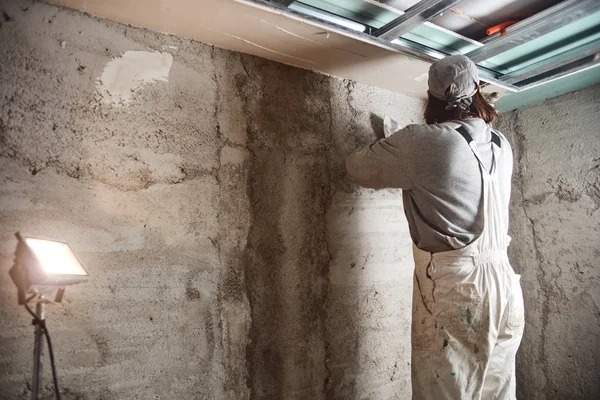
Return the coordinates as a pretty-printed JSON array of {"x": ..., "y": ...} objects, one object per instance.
[{"x": 36, "y": 387}]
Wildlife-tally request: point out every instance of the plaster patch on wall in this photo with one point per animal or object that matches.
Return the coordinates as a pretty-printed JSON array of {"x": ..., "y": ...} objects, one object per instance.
[{"x": 123, "y": 75}]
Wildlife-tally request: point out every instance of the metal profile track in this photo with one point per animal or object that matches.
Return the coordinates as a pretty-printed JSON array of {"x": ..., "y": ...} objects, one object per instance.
[
  {"x": 421, "y": 12},
  {"x": 538, "y": 25},
  {"x": 569, "y": 69},
  {"x": 580, "y": 54}
]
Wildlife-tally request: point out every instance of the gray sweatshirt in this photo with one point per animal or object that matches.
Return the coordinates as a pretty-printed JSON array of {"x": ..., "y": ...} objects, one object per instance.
[{"x": 440, "y": 178}]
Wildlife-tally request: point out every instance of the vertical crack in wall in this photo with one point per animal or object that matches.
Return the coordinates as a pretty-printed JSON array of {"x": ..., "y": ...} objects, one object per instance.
[
  {"x": 219, "y": 134},
  {"x": 327, "y": 392},
  {"x": 350, "y": 86},
  {"x": 217, "y": 240},
  {"x": 215, "y": 79}
]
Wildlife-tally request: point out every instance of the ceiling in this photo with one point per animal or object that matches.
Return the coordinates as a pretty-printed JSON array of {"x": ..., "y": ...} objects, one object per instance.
[
  {"x": 471, "y": 18},
  {"x": 347, "y": 38}
]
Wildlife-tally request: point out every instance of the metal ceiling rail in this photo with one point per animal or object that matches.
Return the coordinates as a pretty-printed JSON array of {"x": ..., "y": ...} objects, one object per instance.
[
  {"x": 334, "y": 19},
  {"x": 533, "y": 27},
  {"x": 578, "y": 54},
  {"x": 284, "y": 3},
  {"x": 421, "y": 12},
  {"x": 569, "y": 69}
]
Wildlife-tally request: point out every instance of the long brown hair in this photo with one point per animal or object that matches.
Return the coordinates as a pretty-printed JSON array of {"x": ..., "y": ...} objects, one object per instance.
[{"x": 435, "y": 110}]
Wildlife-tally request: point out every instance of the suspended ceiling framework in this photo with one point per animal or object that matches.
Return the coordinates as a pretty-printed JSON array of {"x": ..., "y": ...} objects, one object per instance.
[{"x": 552, "y": 48}]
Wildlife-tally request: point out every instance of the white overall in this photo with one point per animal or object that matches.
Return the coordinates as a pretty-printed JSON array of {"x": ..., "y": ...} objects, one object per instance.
[{"x": 468, "y": 313}]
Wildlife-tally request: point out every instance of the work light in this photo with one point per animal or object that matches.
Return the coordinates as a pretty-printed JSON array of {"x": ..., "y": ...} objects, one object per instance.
[{"x": 41, "y": 268}]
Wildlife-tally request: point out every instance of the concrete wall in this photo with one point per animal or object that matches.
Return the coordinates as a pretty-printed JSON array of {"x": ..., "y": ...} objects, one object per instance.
[
  {"x": 230, "y": 255},
  {"x": 556, "y": 243}
]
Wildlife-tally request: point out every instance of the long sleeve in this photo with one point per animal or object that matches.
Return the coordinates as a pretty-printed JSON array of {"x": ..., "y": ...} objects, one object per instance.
[{"x": 387, "y": 163}]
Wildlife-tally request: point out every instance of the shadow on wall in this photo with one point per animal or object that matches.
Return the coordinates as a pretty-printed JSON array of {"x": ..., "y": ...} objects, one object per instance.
[
  {"x": 325, "y": 322},
  {"x": 327, "y": 267},
  {"x": 287, "y": 260}
]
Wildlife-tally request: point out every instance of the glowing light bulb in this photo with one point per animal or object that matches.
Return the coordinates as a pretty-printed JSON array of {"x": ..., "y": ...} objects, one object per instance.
[{"x": 55, "y": 258}]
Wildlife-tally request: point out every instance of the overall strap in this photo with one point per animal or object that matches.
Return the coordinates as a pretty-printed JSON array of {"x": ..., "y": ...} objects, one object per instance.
[
  {"x": 463, "y": 132},
  {"x": 495, "y": 150},
  {"x": 494, "y": 232}
]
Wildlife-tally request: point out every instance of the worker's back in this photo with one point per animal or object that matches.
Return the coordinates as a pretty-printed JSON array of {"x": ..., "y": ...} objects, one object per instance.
[
  {"x": 440, "y": 176},
  {"x": 448, "y": 185}
]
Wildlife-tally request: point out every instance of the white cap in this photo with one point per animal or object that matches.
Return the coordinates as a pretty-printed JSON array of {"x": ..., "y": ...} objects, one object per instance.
[{"x": 454, "y": 79}]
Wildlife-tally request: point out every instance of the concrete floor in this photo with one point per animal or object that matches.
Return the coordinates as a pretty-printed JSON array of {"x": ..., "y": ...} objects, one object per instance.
[{"x": 231, "y": 257}]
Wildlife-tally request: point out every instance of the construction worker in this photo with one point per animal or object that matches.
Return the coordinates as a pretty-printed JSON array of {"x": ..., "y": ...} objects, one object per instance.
[{"x": 455, "y": 172}]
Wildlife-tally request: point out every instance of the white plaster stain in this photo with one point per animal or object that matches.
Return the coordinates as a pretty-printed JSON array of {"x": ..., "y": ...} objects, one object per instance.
[
  {"x": 270, "y": 50},
  {"x": 295, "y": 35},
  {"x": 124, "y": 75},
  {"x": 422, "y": 77}
]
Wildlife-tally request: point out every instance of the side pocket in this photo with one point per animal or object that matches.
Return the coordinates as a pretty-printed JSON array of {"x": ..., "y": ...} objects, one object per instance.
[
  {"x": 516, "y": 306},
  {"x": 464, "y": 313}
]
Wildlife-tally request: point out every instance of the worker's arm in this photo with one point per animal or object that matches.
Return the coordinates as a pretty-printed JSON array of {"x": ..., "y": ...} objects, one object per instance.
[{"x": 387, "y": 163}]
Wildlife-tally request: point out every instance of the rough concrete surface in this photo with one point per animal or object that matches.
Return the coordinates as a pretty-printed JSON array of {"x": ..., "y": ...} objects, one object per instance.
[
  {"x": 230, "y": 256},
  {"x": 555, "y": 224}
]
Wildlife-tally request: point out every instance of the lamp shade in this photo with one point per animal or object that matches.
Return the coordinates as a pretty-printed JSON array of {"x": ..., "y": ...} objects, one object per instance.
[{"x": 43, "y": 262}]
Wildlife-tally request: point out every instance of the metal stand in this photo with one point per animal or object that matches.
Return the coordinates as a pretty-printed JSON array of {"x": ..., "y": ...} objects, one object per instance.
[{"x": 36, "y": 387}]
